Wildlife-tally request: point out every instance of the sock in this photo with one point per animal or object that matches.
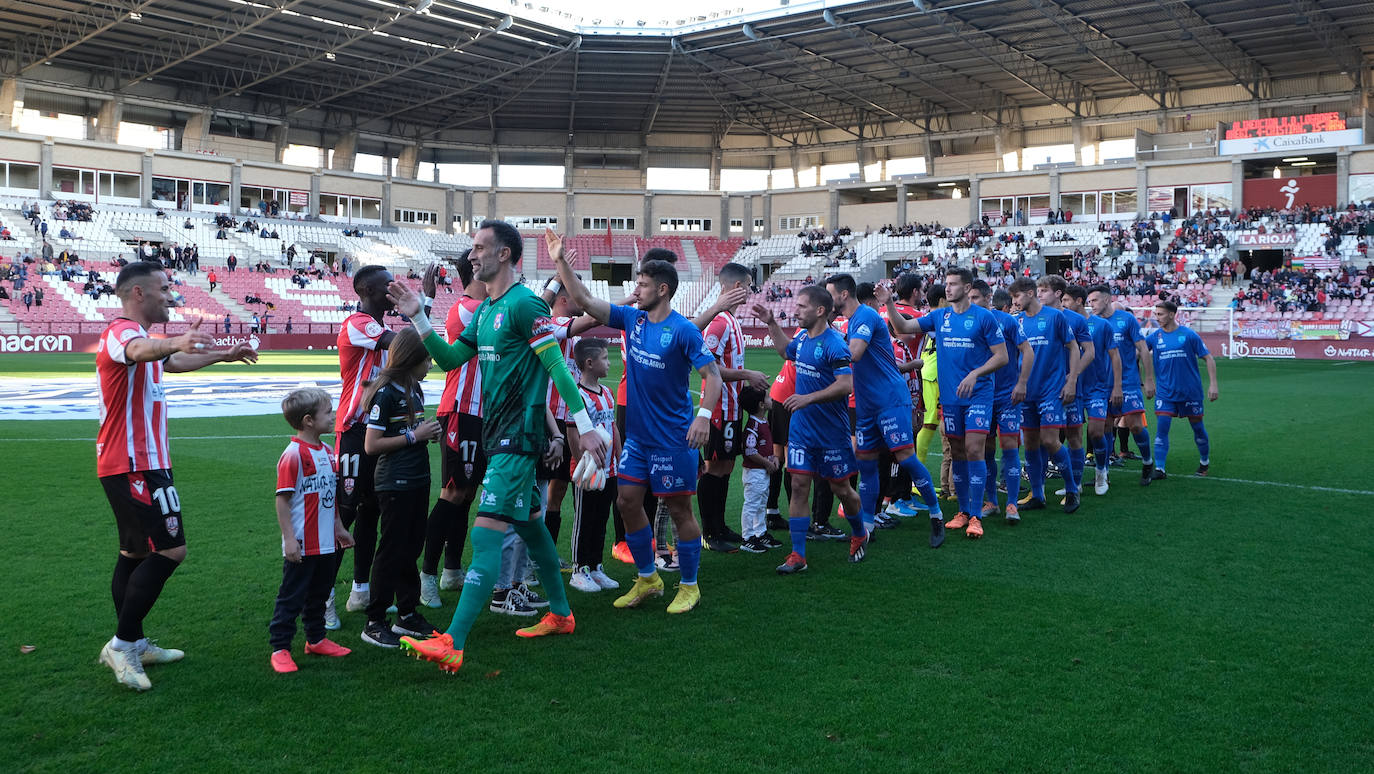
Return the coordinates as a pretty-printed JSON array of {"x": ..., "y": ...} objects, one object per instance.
[
  {"x": 617, "y": 523},
  {"x": 710, "y": 498},
  {"x": 361, "y": 588},
  {"x": 796, "y": 528},
  {"x": 990, "y": 483},
  {"x": 924, "y": 439},
  {"x": 1102, "y": 448},
  {"x": 1079, "y": 459},
  {"x": 774, "y": 491},
  {"x": 1142, "y": 442},
  {"x": 920, "y": 478},
  {"x": 481, "y": 576},
  {"x": 1123, "y": 438},
  {"x": 959, "y": 472},
  {"x": 641, "y": 543},
  {"x": 1011, "y": 472},
  {"x": 553, "y": 521},
  {"x": 1034, "y": 454},
  {"x": 1162, "y": 424},
  {"x": 689, "y": 559},
  {"x": 441, "y": 517},
  {"x": 1204, "y": 444},
  {"x": 540, "y": 545},
  {"x": 145, "y": 584},
  {"x": 1061, "y": 458},
  {"x": 119, "y": 584},
  {"x": 977, "y": 479},
  {"x": 869, "y": 490}
]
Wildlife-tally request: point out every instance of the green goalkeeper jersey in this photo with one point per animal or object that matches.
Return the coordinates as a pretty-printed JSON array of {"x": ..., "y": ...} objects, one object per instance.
[{"x": 513, "y": 336}]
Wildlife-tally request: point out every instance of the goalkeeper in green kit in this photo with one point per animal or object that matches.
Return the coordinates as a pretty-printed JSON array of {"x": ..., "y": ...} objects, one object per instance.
[{"x": 511, "y": 334}]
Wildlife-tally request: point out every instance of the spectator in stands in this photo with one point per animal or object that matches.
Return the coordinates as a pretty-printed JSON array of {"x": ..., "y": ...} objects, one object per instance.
[
  {"x": 46, "y": 251},
  {"x": 188, "y": 224},
  {"x": 231, "y": 263},
  {"x": 5, "y": 234},
  {"x": 43, "y": 229},
  {"x": 221, "y": 235},
  {"x": 213, "y": 280},
  {"x": 28, "y": 299},
  {"x": 288, "y": 324},
  {"x": 38, "y": 296},
  {"x": 226, "y": 324}
]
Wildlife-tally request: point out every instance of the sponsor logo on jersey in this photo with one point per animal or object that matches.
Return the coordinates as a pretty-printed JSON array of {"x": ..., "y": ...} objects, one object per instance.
[
  {"x": 173, "y": 525},
  {"x": 497, "y": 320},
  {"x": 373, "y": 329},
  {"x": 348, "y": 486},
  {"x": 375, "y": 413},
  {"x": 665, "y": 338}
]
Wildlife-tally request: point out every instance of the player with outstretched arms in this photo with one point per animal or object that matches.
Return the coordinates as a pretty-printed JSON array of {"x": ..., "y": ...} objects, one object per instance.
[
  {"x": 511, "y": 335},
  {"x": 133, "y": 458},
  {"x": 725, "y": 339},
  {"x": 1175, "y": 350},
  {"x": 662, "y": 433},
  {"x": 818, "y": 439},
  {"x": 969, "y": 348},
  {"x": 882, "y": 404}
]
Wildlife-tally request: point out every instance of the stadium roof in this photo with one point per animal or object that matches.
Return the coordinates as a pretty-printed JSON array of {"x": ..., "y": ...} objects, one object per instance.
[{"x": 429, "y": 68}]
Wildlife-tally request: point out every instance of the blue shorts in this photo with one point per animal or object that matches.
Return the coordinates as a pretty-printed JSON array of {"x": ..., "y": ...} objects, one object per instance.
[
  {"x": 1097, "y": 407},
  {"x": 1073, "y": 412},
  {"x": 973, "y": 418},
  {"x": 1047, "y": 412},
  {"x": 1178, "y": 408},
  {"x": 665, "y": 472},
  {"x": 829, "y": 464},
  {"x": 890, "y": 427},
  {"x": 1132, "y": 402},
  {"x": 1008, "y": 418}
]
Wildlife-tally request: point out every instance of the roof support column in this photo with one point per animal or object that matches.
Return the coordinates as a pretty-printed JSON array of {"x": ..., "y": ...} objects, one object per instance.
[
  {"x": 315, "y": 194},
  {"x": 723, "y": 229},
  {"x": 1054, "y": 191},
  {"x": 569, "y": 199},
  {"x": 195, "y": 135},
  {"x": 716, "y": 157},
  {"x": 450, "y": 197},
  {"x": 974, "y": 197},
  {"x": 408, "y": 163},
  {"x": 235, "y": 187},
  {"x": 1142, "y": 191},
  {"x": 767, "y": 215},
  {"x": 45, "y": 170},
  {"x": 386, "y": 202},
  {"x": 647, "y": 229},
  {"x": 345, "y": 152},
  {"x": 833, "y": 215},
  {"x": 901, "y": 205},
  {"x": 11, "y": 103},
  {"x": 1238, "y": 181},
  {"x": 107, "y": 120},
  {"x": 145, "y": 180},
  {"x": 1342, "y": 177}
]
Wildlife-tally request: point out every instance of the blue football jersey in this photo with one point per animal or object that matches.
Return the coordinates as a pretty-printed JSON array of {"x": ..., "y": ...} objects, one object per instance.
[
  {"x": 963, "y": 343},
  {"x": 819, "y": 360},
  {"x": 1048, "y": 332},
  {"x": 660, "y": 358},
  {"x": 1175, "y": 355},
  {"x": 877, "y": 382}
]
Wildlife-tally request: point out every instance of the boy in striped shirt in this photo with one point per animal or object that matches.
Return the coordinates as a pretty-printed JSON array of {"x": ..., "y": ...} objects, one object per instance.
[{"x": 311, "y": 530}]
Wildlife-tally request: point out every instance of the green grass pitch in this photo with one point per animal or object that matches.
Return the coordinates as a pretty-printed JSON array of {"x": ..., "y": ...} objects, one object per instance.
[{"x": 1198, "y": 625}]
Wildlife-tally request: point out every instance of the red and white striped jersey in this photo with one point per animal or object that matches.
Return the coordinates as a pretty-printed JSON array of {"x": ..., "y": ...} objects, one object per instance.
[
  {"x": 725, "y": 339},
  {"x": 601, "y": 409},
  {"x": 133, "y": 408},
  {"x": 462, "y": 385},
  {"x": 307, "y": 471},
  {"x": 562, "y": 326},
  {"x": 360, "y": 361}
]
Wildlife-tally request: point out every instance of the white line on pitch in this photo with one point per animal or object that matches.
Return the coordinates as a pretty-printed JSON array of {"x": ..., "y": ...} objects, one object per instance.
[{"x": 1331, "y": 489}]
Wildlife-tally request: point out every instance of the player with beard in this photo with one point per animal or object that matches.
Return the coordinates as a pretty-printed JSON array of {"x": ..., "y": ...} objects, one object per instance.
[{"x": 133, "y": 458}]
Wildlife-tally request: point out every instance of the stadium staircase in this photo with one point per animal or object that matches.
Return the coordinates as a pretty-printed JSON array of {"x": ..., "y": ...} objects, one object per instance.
[
  {"x": 692, "y": 261},
  {"x": 236, "y": 310}
]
